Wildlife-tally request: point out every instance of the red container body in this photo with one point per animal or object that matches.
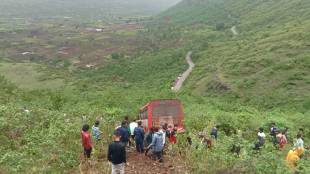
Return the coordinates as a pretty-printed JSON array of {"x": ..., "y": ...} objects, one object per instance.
[{"x": 156, "y": 113}]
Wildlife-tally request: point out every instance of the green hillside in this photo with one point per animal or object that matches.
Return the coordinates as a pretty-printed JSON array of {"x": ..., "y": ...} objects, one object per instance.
[
  {"x": 268, "y": 61},
  {"x": 240, "y": 83}
]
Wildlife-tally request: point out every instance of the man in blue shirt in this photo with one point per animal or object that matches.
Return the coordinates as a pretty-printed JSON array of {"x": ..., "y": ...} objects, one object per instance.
[
  {"x": 139, "y": 137},
  {"x": 123, "y": 130},
  {"x": 157, "y": 145},
  {"x": 96, "y": 131}
]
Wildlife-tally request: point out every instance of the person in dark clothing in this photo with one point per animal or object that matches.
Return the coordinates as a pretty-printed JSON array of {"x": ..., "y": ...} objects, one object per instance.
[
  {"x": 123, "y": 130},
  {"x": 117, "y": 154},
  {"x": 273, "y": 133},
  {"x": 189, "y": 141},
  {"x": 86, "y": 141},
  {"x": 149, "y": 137},
  {"x": 214, "y": 132},
  {"x": 139, "y": 137}
]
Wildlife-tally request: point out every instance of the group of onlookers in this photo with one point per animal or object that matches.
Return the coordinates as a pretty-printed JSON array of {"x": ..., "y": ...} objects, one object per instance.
[
  {"x": 128, "y": 134},
  {"x": 280, "y": 139},
  {"x": 125, "y": 136}
]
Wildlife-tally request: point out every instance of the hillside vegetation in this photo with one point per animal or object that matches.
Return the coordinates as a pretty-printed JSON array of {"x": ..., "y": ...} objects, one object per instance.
[
  {"x": 240, "y": 83},
  {"x": 267, "y": 63}
]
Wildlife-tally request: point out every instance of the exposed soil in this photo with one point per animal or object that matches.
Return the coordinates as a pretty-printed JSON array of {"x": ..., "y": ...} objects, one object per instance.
[
  {"x": 136, "y": 164},
  {"x": 141, "y": 164}
]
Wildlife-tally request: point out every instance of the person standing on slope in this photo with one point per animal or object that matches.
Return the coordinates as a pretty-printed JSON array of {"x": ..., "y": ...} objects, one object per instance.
[
  {"x": 214, "y": 132},
  {"x": 96, "y": 131},
  {"x": 172, "y": 134},
  {"x": 132, "y": 127},
  {"x": 282, "y": 139},
  {"x": 299, "y": 142},
  {"x": 261, "y": 139},
  {"x": 117, "y": 154},
  {"x": 273, "y": 134},
  {"x": 163, "y": 130},
  {"x": 148, "y": 139},
  {"x": 86, "y": 141},
  {"x": 139, "y": 137},
  {"x": 157, "y": 145},
  {"x": 123, "y": 130}
]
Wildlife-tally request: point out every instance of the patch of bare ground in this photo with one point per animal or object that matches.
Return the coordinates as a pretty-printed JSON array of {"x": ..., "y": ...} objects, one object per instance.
[{"x": 136, "y": 164}]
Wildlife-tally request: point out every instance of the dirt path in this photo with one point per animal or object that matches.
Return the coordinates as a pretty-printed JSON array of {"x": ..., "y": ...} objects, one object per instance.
[
  {"x": 179, "y": 83},
  {"x": 234, "y": 30},
  {"x": 136, "y": 164},
  {"x": 141, "y": 164}
]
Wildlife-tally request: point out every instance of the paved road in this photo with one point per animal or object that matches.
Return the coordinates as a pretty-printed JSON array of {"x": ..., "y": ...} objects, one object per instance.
[
  {"x": 234, "y": 30},
  {"x": 179, "y": 83}
]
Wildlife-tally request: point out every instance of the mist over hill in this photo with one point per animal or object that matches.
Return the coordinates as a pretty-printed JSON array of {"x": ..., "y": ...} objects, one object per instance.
[{"x": 90, "y": 9}]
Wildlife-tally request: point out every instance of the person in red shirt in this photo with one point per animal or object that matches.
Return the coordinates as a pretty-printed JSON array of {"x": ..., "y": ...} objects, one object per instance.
[
  {"x": 172, "y": 134},
  {"x": 86, "y": 141}
]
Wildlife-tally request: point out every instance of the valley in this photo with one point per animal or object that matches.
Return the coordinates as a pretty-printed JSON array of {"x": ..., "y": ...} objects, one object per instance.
[{"x": 247, "y": 66}]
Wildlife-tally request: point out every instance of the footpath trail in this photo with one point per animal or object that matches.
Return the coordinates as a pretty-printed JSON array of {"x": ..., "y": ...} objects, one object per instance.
[
  {"x": 234, "y": 30},
  {"x": 137, "y": 164},
  {"x": 179, "y": 83},
  {"x": 141, "y": 164}
]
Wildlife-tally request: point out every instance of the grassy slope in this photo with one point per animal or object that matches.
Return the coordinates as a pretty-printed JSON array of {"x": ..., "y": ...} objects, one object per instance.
[
  {"x": 267, "y": 61},
  {"x": 26, "y": 75},
  {"x": 124, "y": 86}
]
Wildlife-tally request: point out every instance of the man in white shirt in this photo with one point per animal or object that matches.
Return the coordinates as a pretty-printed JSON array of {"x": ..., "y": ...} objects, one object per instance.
[
  {"x": 132, "y": 127},
  {"x": 261, "y": 139},
  {"x": 299, "y": 142}
]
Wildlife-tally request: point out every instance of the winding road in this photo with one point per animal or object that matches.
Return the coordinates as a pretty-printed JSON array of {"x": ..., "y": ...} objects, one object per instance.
[{"x": 179, "y": 83}]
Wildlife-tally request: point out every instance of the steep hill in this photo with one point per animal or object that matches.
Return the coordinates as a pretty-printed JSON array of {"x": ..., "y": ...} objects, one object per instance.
[
  {"x": 240, "y": 83},
  {"x": 267, "y": 62}
]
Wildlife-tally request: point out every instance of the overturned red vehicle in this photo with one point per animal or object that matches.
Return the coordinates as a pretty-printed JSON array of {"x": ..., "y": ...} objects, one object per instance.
[{"x": 156, "y": 113}]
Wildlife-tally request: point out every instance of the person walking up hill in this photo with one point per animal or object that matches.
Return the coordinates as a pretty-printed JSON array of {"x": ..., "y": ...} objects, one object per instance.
[
  {"x": 214, "y": 132},
  {"x": 123, "y": 130},
  {"x": 157, "y": 145},
  {"x": 172, "y": 134},
  {"x": 282, "y": 139},
  {"x": 299, "y": 142},
  {"x": 86, "y": 141},
  {"x": 132, "y": 127},
  {"x": 261, "y": 139},
  {"x": 96, "y": 131},
  {"x": 139, "y": 137},
  {"x": 117, "y": 154},
  {"x": 273, "y": 133}
]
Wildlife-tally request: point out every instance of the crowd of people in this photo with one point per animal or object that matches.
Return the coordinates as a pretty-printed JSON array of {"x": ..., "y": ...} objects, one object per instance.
[
  {"x": 153, "y": 141},
  {"x": 280, "y": 139},
  {"x": 150, "y": 142}
]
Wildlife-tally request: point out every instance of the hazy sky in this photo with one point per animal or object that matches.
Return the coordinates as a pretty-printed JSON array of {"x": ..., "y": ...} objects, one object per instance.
[{"x": 46, "y": 8}]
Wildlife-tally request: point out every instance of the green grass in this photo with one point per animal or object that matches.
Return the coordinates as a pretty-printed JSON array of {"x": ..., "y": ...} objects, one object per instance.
[
  {"x": 240, "y": 83},
  {"x": 27, "y": 75},
  {"x": 268, "y": 59}
]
